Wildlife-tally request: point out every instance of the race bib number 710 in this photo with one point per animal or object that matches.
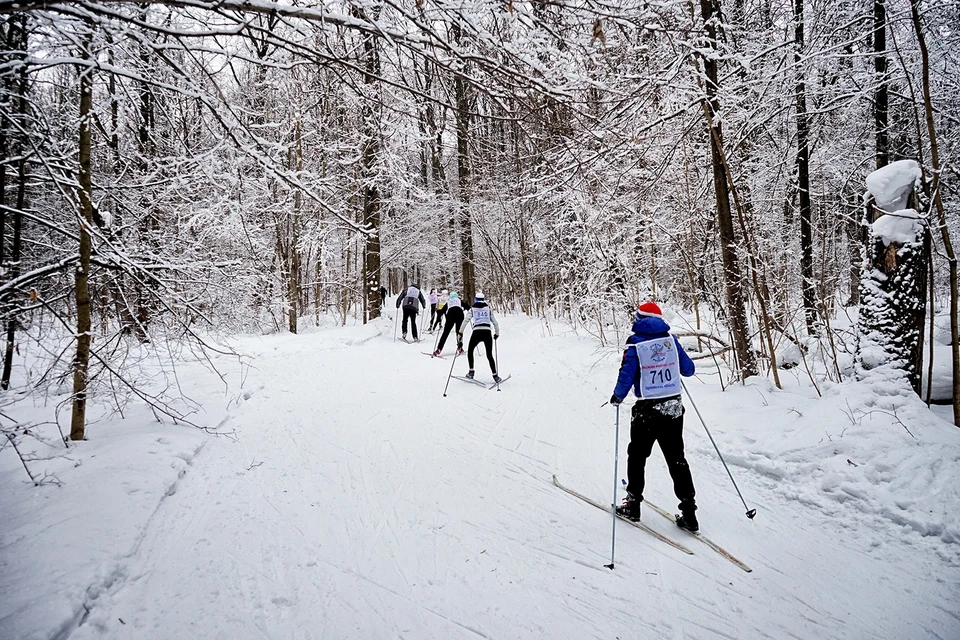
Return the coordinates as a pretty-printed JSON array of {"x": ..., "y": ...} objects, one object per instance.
[{"x": 659, "y": 368}]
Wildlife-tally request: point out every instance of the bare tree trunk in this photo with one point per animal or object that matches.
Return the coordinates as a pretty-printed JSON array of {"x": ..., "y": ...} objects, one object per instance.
[
  {"x": 115, "y": 289},
  {"x": 293, "y": 241},
  {"x": 803, "y": 177},
  {"x": 345, "y": 292},
  {"x": 14, "y": 272},
  {"x": 17, "y": 39},
  {"x": 938, "y": 204},
  {"x": 855, "y": 242},
  {"x": 736, "y": 307},
  {"x": 528, "y": 303},
  {"x": 135, "y": 314},
  {"x": 371, "y": 189},
  {"x": 880, "y": 94},
  {"x": 5, "y": 152},
  {"x": 463, "y": 177},
  {"x": 318, "y": 289},
  {"x": 81, "y": 364}
]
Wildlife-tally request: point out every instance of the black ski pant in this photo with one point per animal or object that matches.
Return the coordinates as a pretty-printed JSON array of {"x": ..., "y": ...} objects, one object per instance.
[
  {"x": 412, "y": 315},
  {"x": 438, "y": 321},
  {"x": 484, "y": 336},
  {"x": 456, "y": 318},
  {"x": 659, "y": 421},
  {"x": 433, "y": 316}
]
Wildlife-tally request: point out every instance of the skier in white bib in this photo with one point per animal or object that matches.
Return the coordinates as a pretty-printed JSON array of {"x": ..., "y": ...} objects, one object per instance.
[
  {"x": 441, "y": 310},
  {"x": 412, "y": 301},
  {"x": 652, "y": 364},
  {"x": 481, "y": 316},
  {"x": 454, "y": 313}
]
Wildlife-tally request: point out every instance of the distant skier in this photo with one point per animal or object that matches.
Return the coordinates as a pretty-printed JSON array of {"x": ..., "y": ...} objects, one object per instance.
[
  {"x": 454, "y": 313},
  {"x": 412, "y": 303},
  {"x": 434, "y": 299},
  {"x": 653, "y": 362},
  {"x": 383, "y": 295},
  {"x": 441, "y": 310},
  {"x": 481, "y": 315}
]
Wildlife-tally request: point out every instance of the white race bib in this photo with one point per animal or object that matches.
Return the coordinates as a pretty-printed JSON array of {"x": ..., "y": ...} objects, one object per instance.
[
  {"x": 659, "y": 368},
  {"x": 481, "y": 316}
]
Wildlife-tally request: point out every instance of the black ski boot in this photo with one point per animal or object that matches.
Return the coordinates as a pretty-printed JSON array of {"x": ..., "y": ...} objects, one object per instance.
[
  {"x": 470, "y": 374},
  {"x": 688, "y": 517},
  {"x": 496, "y": 378},
  {"x": 630, "y": 509}
]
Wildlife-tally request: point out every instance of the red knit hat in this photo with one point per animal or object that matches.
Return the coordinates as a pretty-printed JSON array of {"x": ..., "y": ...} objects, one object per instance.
[{"x": 649, "y": 309}]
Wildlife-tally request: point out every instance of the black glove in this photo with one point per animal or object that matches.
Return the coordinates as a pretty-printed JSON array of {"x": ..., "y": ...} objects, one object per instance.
[
  {"x": 497, "y": 335},
  {"x": 614, "y": 400}
]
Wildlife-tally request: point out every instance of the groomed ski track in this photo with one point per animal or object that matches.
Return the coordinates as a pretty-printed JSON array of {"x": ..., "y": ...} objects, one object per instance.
[{"x": 355, "y": 501}]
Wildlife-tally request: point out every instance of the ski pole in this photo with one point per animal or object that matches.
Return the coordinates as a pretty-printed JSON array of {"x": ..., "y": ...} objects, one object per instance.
[
  {"x": 496, "y": 359},
  {"x": 750, "y": 512},
  {"x": 396, "y": 323},
  {"x": 451, "y": 372},
  {"x": 613, "y": 505}
]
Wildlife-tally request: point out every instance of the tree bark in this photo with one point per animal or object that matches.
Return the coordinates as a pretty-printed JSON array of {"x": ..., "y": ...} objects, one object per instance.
[
  {"x": 854, "y": 232},
  {"x": 733, "y": 279},
  {"x": 880, "y": 94},
  {"x": 461, "y": 89},
  {"x": 371, "y": 189},
  {"x": 809, "y": 293},
  {"x": 81, "y": 364},
  {"x": 293, "y": 241},
  {"x": 938, "y": 205},
  {"x": 14, "y": 272},
  {"x": 17, "y": 40}
]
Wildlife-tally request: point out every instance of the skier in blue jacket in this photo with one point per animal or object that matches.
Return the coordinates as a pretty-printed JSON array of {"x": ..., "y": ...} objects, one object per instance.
[{"x": 653, "y": 362}]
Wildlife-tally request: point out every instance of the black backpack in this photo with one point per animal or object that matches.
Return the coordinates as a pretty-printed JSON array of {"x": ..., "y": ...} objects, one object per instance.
[{"x": 410, "y": 303}]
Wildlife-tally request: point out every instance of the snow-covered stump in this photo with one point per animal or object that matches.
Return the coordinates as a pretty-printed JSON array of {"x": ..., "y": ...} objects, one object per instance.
[{"x": 892, "y": 287}]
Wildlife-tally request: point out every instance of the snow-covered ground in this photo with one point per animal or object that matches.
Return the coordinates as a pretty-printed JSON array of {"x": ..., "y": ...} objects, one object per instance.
[{"x": 350, "y": 499}]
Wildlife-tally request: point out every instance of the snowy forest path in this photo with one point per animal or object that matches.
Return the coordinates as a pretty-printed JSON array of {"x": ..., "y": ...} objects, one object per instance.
[{"x": 357, "y": 502}]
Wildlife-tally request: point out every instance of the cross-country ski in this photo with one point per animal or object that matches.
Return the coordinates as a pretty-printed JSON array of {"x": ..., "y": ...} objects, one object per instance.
[
  {"x": 496, "y": 383},
  {"x": 636, "y": 523},
  {"x": 699, "y": 536},
  {"x": 474, "y": 381}
]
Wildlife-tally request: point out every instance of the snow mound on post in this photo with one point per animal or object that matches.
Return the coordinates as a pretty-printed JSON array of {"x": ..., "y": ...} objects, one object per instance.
[
  {"x": 901, "y": 227},
  {"x": 891, "y": 185}
]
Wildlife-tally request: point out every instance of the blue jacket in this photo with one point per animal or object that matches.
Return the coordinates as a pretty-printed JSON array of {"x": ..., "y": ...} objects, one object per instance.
[{"x": 646, "y": 328}]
